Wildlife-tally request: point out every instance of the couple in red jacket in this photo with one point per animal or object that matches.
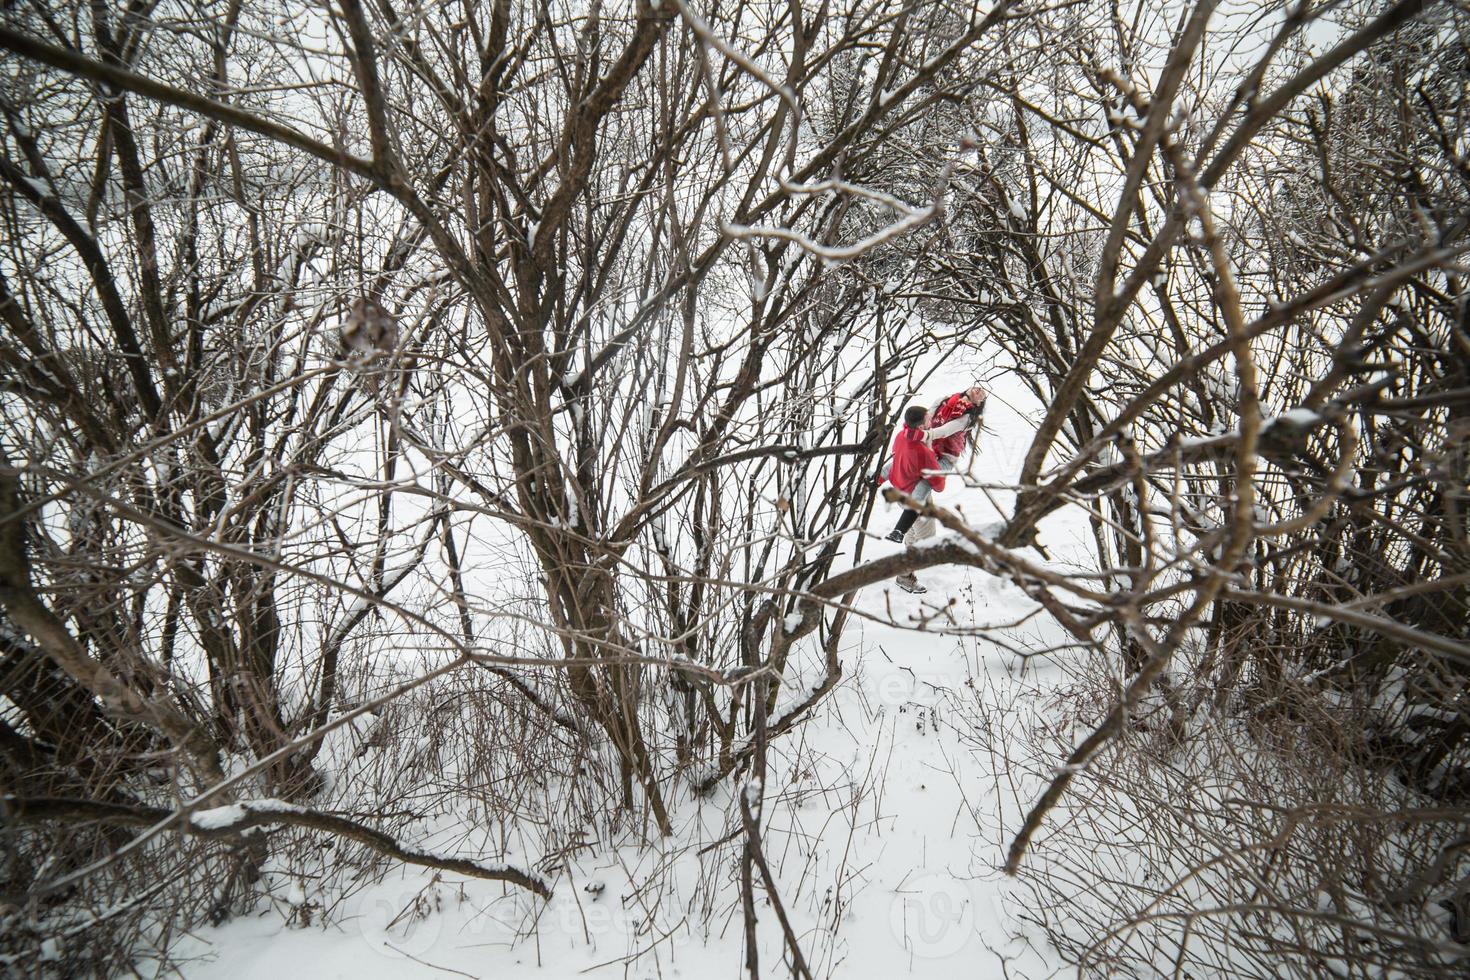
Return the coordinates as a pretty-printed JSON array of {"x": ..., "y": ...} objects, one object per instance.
[{"x": 927, "y": 447}]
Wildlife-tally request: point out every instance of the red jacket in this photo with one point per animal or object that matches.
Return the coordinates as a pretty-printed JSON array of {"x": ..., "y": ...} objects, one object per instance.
[
  {"x": 950, "y": 409},
  {"x": 911, "y": 457}
]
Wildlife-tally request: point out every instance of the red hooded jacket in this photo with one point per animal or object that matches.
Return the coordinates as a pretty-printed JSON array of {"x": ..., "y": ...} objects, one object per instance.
[
  {"x": 911, "y": 457},
  {"x": 950, "y": 409}
]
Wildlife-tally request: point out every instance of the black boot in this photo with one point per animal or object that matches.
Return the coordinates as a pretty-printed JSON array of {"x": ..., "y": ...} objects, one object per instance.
[{"x": 905, "y": 521}]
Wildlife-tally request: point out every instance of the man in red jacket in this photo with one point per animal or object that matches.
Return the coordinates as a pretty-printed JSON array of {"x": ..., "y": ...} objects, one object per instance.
[{"x": 929, "y": 445}]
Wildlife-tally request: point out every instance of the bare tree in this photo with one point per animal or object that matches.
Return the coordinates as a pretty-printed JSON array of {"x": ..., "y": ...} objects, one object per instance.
[{"x": 309, "y": 316}]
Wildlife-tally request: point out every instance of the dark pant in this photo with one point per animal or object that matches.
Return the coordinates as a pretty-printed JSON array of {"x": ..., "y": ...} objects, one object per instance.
[{"x": 906, "y": 521}]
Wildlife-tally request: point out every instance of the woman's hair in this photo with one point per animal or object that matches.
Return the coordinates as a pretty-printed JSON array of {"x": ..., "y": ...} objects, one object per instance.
[{"x": 914, "y": 416}]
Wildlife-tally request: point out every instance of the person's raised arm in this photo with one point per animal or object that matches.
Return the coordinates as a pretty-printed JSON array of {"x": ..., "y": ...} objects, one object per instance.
[{"x": 957, "y": 424}]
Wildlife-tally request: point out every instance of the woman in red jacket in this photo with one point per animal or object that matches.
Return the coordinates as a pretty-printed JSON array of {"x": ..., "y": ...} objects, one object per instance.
[{"x": 950, "y": 422}]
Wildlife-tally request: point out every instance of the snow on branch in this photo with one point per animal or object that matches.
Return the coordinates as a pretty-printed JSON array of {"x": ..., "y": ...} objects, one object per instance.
[
  {"x": 709, "y": 37},
  {"x": 234, "y": 819},
  {"x": 832, "y": 253},
  {"x": 912, "y": 218}
]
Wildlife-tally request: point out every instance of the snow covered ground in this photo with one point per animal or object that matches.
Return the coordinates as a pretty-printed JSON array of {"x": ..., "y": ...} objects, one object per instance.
[{"x": 886, "y": 819}]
